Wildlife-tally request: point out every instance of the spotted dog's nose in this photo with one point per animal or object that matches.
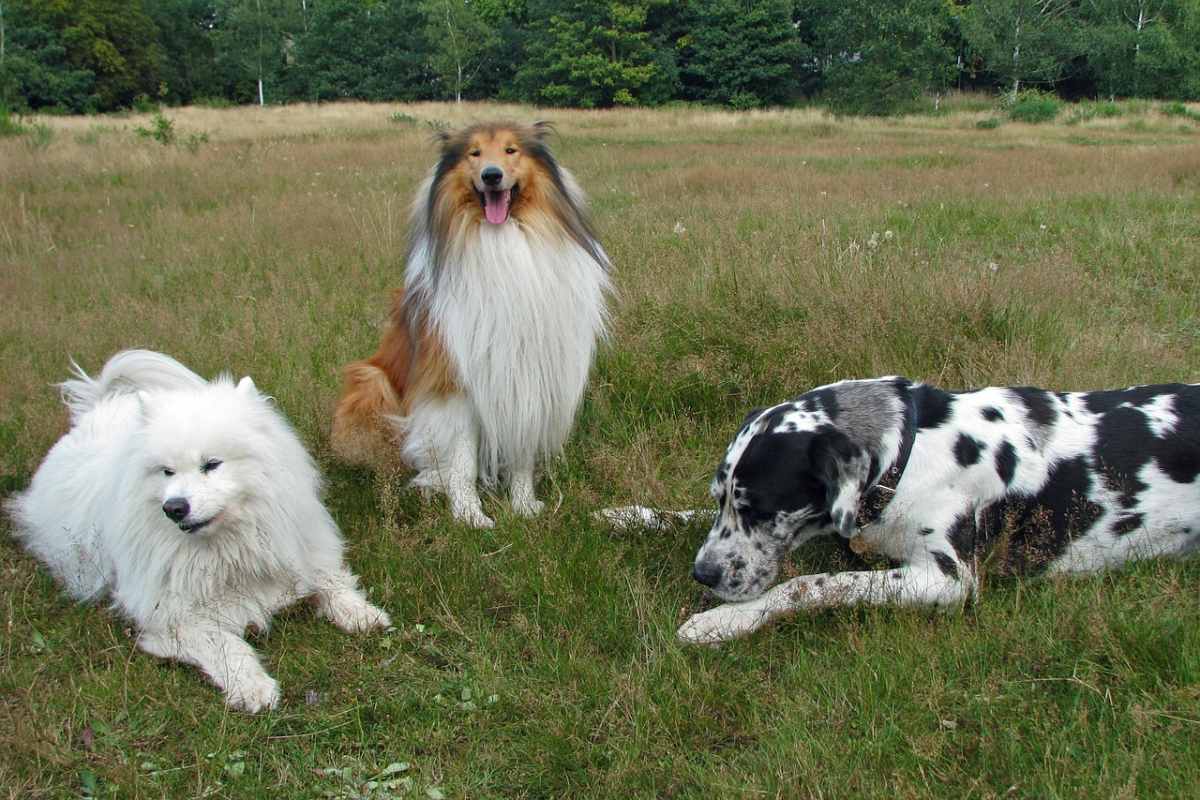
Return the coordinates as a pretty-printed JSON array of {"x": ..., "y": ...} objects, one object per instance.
[
  {"x": 707, "y": 574},
  {"x": 176, "y": 508},
  {"x": 492, "y": 176}
]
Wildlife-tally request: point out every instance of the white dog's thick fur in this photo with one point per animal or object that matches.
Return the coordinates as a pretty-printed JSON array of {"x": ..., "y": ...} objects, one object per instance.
[{"x": 194, "y": 506}]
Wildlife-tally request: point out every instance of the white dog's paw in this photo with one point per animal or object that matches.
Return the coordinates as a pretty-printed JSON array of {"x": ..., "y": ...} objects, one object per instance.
[
  {"x": 722, "y": 624},
  {"x": 253, "y": 694},
  {"x": 473, "y": 515},
  {"x": 353, "y": 614},
  {"x": 528, "y": 506}
]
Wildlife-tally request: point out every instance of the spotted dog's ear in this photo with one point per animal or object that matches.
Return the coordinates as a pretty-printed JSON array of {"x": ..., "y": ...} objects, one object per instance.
[{"x": 842, "y": 467}]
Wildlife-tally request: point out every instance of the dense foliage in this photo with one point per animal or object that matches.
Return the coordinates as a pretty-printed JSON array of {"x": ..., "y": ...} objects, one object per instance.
[{"x": 860, "y": 56}]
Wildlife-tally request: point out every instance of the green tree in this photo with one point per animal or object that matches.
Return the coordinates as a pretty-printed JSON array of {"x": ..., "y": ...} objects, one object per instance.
[
  {"x": 592, "y": 54},
  {"x": 879, "y": 58},
  {"x": 461, "y": 42},
  {"x": 744, "y": 52},
  {"x": 1133, "y": 46},
  {"x": 36, "y": 70},
  {"x": 366, "y": 49},
  {"x": 1023, "y": 41},
  {"x": 185, "y": 37},
  {"x": 255, "y": 42}
]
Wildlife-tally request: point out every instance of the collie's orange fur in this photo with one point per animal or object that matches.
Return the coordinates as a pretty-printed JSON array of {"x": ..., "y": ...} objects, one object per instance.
[{"x": 412, "y": 361}]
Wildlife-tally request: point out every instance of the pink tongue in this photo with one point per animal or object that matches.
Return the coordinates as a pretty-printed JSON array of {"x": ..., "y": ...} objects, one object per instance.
[{"x": 495, "y": 206}]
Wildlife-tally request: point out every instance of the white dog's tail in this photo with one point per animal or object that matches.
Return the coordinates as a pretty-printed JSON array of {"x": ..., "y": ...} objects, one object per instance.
[{"x": 127, "y": 371}]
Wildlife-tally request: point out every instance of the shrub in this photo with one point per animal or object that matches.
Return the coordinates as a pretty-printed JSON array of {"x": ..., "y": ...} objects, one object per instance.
[
  {"x": 744, "y": 101},
  {"x": 1179, "y": 109},
  {"x": 1033, "y": 106},
  {"x": 9, "y": 126},
  {"x": 991, "y": 123},
  {"x": 161, "y": 130},
  {"x": 400, "y": 118}
]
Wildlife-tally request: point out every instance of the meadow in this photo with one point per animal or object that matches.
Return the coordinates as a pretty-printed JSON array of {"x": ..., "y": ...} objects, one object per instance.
[{"x": 757, "y": 255}]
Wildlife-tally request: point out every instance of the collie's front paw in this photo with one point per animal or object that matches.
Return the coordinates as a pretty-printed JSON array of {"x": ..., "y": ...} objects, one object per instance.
[
  {"x": 253, "y": 694},
  {"x": 528, "y": 506}
]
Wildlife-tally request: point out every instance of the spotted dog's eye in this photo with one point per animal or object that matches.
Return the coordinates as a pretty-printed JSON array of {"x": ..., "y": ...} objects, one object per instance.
[
  {"x": 168, "y": 472},
  {"x": 210, "y": 465},
  {"x": 476, "y": 153},
  {"x": 510, "y": 150}
]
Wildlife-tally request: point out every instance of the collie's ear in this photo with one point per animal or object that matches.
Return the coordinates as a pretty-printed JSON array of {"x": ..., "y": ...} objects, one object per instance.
[
  {"x": 439, "y": 131},
  {"x": 541, "y": 129}
]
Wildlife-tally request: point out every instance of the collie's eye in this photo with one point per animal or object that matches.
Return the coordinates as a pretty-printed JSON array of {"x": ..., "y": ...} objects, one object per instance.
[
  {"x": 210, "y": 465},
  {"x": 475, "y": 153},
  {"x": 168, "y": 472},
  {"x": 510, "y": 150}
]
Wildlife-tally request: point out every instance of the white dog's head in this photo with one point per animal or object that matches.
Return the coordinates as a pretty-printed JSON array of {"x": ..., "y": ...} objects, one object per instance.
[{"x": 213, "y": 458}]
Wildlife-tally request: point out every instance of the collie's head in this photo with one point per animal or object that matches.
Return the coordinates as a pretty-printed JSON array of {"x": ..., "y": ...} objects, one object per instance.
[{"x": 501, "y": 173}]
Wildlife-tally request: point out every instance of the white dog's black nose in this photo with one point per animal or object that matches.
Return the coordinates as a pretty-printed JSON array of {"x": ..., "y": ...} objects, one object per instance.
[
  {"x": 492, "y": 176},
  {"x": 176, "y": 508},
  {"x": 707, "y": 574}
]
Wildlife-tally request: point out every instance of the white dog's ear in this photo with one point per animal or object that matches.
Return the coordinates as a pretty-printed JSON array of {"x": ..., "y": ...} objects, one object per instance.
[
  {"x": 143, "y": 398},
  {"x": 246, "y": 386},
  {"x": 843, "y": 467}
]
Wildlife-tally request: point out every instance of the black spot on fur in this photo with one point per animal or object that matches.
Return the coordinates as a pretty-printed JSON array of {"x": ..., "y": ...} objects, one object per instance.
[
  {"x": 966, "y": 450},
  {"x": 926, "y": 531},
  {"x": 1023, "y": 534},
  {"x": 1124, "y": 445},
  {"x": 786, "y": 472},
  {"x": 827, "y": 400},
  {"x": 819, "y": 582},
  {"x": 946, "y": 564},
  {"x": 933, "y": 405},
  {"x": 1103, "y": 402},
  {"x": 1038, "y": 404},
  {"x": 1127, "y": 524},
  {"x": 895, "y": 576},
  {"x": 1006, "y": 462},
  {"x": 992, "y": 414}
]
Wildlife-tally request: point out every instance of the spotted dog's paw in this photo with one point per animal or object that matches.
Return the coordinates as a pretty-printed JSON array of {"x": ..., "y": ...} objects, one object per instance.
[
  {"x": 625, "y": 518},
  {"x": 722, "y": 623}
]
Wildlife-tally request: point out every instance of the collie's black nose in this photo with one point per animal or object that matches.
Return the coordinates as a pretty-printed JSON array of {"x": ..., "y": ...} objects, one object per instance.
[
  {"x": 707, "y": 574},
  {"x": 492, "y": 176},
  {"x": 176, "y": 508}
]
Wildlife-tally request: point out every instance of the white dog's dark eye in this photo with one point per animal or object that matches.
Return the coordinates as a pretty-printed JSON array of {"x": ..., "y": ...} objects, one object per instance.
[
  {"x": 210, "y": 465},
  {"x": 168, "y": 471}
]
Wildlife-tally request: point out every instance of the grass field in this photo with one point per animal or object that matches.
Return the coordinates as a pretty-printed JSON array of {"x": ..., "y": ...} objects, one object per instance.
[{"x": 757, "y": 255}]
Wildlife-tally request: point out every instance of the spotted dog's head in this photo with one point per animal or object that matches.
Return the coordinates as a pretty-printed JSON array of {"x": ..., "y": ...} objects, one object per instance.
[{"x": 793, "y": 472}]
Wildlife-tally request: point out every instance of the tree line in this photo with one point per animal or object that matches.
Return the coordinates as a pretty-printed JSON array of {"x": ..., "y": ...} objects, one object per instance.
[{"x": 858, "y": 56}]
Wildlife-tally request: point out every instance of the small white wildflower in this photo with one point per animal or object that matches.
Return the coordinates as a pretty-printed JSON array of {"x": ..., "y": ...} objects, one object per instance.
[
  {"x": 1042, "y": 227},
  {"x": 888, "y": 236},
  {"x": 993, "y": 266},
  {"x": 679, "y": 229},
  {"x": 873, "y": 242}
]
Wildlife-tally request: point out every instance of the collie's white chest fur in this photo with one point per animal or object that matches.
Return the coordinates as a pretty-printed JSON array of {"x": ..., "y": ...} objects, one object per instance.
[{"x": 520, "y": 314}]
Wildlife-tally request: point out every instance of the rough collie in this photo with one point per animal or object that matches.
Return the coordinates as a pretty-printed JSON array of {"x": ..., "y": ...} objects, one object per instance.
[
  {"x": 486, "y": 352},
  {"x": 193, "y": 505}
]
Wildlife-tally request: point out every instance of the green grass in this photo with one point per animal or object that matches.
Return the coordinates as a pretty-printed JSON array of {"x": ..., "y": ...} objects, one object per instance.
[{"x": 538, "y": 659}]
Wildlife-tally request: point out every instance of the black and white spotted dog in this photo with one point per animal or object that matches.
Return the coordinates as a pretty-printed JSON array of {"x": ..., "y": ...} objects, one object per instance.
[{"x": 1014, "y": 480}]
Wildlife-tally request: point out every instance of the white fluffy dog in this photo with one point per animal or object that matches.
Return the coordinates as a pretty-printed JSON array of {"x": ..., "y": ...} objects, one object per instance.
[{"x": 195, "y": 507}]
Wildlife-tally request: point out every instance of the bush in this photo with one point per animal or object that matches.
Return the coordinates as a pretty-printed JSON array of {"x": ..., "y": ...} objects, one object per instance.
[
  {"x": 9, "y": 126},
  {"x": 1033, "y": 107},
  {"x": 162, "y": 129},
  {"x": 744, "y": 101},
  {"x": 1178, "y": 109},
  {"x": 991, "y": 123}
]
